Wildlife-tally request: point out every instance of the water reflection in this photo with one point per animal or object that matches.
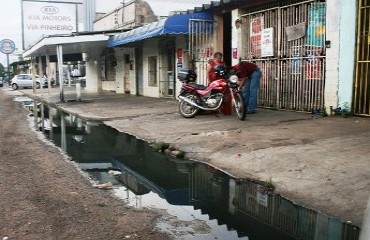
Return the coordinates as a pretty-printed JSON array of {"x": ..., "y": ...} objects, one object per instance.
[{"x": 231, "y": 208}]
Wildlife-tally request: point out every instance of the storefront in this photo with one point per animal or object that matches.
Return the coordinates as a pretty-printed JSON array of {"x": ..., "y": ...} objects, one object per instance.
[
  {"x": 287, "y": 42},
  {"x": 157, "y": 51}
]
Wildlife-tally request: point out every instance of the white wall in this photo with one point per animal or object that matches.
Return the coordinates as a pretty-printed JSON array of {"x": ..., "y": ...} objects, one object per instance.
[
  {"x": 332, "y": 54},
  {"x": 347, "y": 40},
  {"x": 341, "y": 32},
  {"x": 108, "y": 86},
  {"x": 236, "y": 35},
  {"x": 125, "y": 17},
  {"x": 105, "y": 23}
]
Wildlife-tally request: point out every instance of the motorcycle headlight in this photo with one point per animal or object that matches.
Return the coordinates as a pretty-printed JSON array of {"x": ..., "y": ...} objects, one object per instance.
[{"x": 233, "y": 79}]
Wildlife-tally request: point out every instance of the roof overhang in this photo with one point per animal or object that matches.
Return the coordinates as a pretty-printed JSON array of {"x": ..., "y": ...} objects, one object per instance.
[
  {"x": 72, "y": 44},
  {"x": 173, "y": 25}
]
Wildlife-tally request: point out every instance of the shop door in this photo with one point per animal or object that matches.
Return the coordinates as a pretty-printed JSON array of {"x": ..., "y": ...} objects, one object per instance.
[
  {"x": 139, "y": 71},
  {"x": 166, "y": 68},
  {"x": 287, "y": 43},
  {"x": 361, "y": 102}
]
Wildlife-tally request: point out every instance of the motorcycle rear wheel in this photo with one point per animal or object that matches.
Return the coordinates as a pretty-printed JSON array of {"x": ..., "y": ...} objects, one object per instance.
[
  {"x": 239, "y": 107},
  {"x": 187, "y": 110}
]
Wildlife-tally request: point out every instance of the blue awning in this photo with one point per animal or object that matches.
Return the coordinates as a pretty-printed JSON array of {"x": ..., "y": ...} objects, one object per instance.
[{"x": 177, "y": 24}]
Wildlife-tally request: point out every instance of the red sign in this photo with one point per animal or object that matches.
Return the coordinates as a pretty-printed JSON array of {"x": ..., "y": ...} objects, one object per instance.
[
  {"x": 235, "y": 53},
  {"x": 179, "y": 53}
]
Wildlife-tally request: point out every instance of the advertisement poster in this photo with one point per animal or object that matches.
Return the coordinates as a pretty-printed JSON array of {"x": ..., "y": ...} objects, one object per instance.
[
  {"x": 313, "y": 66},
  {"x": 313, "y": 69},
  {"x": 47, "y": 18},
  {"x": 256, "y": 26},
  {"x": 267, "y": 47},
  {"x": 316, "y": 25}
]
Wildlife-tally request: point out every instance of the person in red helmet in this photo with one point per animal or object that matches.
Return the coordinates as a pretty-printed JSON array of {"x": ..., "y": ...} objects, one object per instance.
[{"x": 211, "y": 73}]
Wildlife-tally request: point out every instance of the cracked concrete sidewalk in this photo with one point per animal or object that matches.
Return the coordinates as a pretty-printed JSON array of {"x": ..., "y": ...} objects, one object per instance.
[{"x": 318, "y": 162}]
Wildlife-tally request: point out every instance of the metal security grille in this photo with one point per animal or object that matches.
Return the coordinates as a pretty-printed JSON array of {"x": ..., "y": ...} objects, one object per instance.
[
  {"x": 200, "y": 46},
  {"x": 361, "y": 101},
  {"x": 287, "y": 43},
  {"x": 297, "y": 221},
  {"x": 200, "y": 188}
]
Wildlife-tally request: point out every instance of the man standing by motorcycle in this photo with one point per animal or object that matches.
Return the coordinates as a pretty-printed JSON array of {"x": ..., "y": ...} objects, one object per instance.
[
  {"x": 211, "y": 73},
  {"x": 250, "y": 76}
]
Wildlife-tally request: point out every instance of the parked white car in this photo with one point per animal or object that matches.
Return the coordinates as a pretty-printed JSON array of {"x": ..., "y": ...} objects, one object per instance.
[{"x": 26, "y": 81}]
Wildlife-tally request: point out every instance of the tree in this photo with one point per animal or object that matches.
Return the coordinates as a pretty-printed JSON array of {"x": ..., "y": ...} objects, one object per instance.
[{"x": 2, "y": 73}]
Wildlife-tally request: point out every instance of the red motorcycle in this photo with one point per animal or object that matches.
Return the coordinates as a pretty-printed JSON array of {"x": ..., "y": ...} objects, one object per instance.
[{"x": 194, "y": 97}]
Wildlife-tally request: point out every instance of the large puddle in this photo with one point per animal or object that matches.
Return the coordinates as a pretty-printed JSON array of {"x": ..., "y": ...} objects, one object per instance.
[{"x": 202, "y": 202}]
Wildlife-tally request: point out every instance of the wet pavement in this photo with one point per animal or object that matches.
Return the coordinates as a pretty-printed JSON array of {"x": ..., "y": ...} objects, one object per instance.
[{"x": 317, "y": 162}]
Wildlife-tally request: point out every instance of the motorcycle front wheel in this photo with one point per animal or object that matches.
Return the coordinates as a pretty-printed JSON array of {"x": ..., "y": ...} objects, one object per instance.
[
  {"x": 239, "y": 107},
  {"x": 187, "y": 110}
]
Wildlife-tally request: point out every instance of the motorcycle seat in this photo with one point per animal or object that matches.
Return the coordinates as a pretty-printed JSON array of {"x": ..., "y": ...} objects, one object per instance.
[{"x": 198, "y": 86}]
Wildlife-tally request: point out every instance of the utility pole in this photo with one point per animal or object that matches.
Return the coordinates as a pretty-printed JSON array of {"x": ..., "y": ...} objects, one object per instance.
[{"x": 123, "y": 11}]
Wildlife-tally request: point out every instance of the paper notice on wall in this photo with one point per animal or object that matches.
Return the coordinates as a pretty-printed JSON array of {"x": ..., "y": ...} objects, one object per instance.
[
  {"x": 267, "y": 46},
  {"x": 296, "y": 31},
  {"x": 262, "y": 197}
]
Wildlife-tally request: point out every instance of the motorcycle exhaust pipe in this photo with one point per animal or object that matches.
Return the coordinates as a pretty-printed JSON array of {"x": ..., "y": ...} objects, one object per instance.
[{"x": 185, "y": 99}]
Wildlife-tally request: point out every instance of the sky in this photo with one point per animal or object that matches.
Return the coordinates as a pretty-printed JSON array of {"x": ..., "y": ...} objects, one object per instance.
[{"x": 11, "y": 22}]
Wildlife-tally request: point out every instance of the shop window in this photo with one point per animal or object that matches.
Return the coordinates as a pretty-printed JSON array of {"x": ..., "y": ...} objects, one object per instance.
[{"x": 152, "y": 74}]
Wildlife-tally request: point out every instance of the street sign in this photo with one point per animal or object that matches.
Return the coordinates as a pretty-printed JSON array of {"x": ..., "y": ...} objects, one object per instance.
[{"x": 7, "y": 46}]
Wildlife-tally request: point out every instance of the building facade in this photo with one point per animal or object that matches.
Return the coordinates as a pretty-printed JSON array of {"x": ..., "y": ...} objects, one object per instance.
[
  {"x": 313, "y": 53},
  {"x": 156, "y": 51}
]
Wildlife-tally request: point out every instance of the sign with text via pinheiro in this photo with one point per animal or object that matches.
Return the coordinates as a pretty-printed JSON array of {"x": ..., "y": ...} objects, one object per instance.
[{"x": 47, "y": 18}]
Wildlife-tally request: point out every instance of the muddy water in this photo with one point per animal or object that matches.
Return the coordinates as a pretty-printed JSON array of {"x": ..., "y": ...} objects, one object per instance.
[{"x": 202, "y": 202}]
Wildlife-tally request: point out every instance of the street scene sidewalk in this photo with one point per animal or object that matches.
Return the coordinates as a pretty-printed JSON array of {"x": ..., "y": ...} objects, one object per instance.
[{"x": 317, "y": 162}]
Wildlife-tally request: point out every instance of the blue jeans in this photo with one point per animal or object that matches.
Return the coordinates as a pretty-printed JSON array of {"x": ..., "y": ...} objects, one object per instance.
[{"x": 250, "y": 90}]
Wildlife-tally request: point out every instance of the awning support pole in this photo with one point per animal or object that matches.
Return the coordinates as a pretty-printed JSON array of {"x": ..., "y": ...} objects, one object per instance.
[{"x": 60, "y": 71}]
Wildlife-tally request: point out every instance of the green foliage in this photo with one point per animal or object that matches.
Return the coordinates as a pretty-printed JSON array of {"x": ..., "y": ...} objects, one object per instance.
[
  {"x": 346, "y": 107},
  {"x": 346, "y": 110},
  {"x": 161, "y": 146},
  {"x": 268, "y": 186},
  {"x": 2, "y": 73}
]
